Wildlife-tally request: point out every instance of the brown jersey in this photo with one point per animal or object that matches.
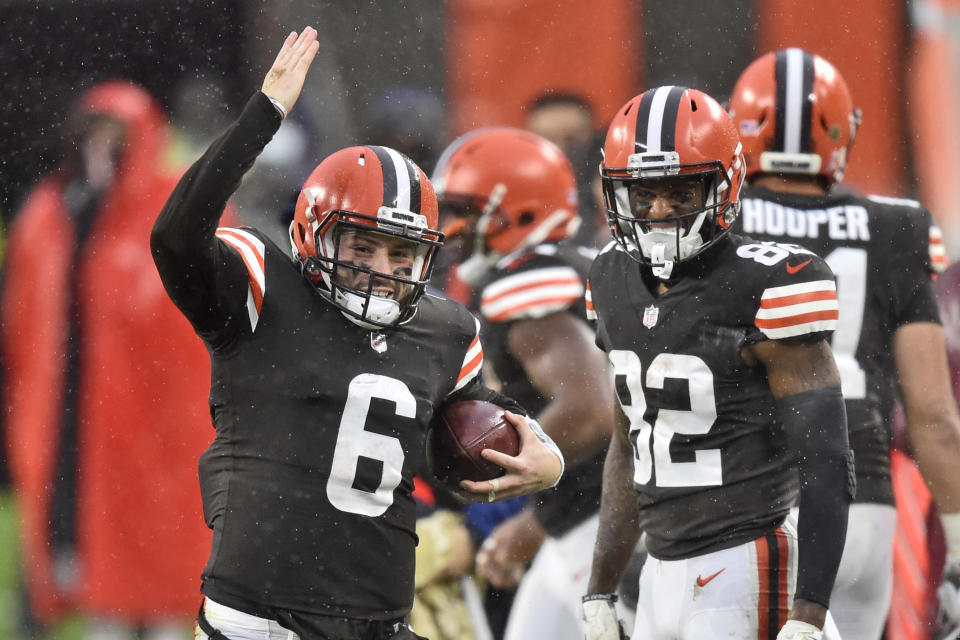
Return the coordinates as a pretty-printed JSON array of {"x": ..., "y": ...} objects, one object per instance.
[{"x": 710, "y": 461}]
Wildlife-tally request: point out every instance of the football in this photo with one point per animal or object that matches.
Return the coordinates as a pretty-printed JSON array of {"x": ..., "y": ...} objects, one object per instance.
[{"x": 459, "y": 433}]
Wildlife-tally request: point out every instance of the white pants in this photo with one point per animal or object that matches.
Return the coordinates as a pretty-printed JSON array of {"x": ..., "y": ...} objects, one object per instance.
[
  {"x": 548, "y": 601},
  {"x": 861, "y": 595},
  {"x": 725, "y": 594},
  {"x": 237, "y": 625}
]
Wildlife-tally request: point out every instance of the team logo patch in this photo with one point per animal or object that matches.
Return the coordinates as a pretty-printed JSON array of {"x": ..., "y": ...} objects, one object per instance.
[
  {"x": 650, "y": 316},
  {"x": 378, "y": 342}
]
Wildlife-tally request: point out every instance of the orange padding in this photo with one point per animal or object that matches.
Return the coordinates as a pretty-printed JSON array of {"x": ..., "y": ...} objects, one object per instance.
[{"x": 913, "y": 586}]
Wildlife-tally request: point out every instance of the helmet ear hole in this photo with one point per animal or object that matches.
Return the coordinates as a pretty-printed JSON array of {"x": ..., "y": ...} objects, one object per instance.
[{"x": 526, "y": 217}]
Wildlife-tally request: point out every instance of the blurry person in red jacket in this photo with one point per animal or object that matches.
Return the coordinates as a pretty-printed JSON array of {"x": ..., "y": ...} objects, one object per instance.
[{"x": 104, "y": 383}]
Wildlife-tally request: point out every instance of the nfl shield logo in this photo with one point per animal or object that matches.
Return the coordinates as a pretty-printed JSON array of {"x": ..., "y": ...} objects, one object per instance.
[
  {"x": 650, "y": 315},
  {"x": 378, "y": 342}
]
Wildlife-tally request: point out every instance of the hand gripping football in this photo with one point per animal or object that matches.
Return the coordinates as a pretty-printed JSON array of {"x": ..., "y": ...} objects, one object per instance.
[{"x": 459, "y": 433}]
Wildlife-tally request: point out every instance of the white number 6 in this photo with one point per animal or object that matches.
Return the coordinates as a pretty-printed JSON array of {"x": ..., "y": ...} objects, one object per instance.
[{"x": 354, "y": 441}]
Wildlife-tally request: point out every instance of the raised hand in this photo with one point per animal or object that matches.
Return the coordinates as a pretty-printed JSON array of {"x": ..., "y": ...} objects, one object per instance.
[{"x": 285, "y": 78}]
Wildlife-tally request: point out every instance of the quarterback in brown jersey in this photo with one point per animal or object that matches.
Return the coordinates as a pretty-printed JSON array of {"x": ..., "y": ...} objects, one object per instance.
[{"x": 327, "y": 369}]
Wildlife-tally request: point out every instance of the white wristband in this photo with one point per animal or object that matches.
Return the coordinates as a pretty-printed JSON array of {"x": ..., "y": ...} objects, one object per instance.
[
  {"x": 279, "y": 106},
  {"x": 550, "y": 444},
  {"x": 951, "y": 531}
]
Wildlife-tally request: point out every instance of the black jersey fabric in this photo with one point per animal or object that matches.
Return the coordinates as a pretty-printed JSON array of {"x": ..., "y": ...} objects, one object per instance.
[
  {"x": 711, "y": 465},
  {"x": 548, "y": 279},
  {"x": 319, "y": 423},
  {"x": 879, "y": 249}
]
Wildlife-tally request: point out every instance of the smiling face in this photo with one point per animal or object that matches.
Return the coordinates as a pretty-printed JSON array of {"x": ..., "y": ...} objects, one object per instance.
[{"x": 375, "y": 252}]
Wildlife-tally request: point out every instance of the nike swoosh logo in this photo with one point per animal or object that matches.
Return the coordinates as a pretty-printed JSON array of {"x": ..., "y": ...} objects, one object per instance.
[
  {"x": 702, "y": 582},
  {"x": 793, "y": 268}
]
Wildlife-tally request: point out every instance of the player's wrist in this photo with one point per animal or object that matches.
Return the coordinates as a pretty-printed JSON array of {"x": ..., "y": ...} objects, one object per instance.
[
  {"x": 809, "y": 612},
  {"x": 799, "y": 630},
  {"x": 590, "y": 597}
]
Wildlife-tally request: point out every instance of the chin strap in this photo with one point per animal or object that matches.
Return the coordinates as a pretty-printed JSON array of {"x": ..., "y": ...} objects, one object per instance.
[{"x": 661, "y": 268}]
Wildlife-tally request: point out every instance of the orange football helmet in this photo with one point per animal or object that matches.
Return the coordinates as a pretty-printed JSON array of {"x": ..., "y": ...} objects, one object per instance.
[
  {"x": 674, "y": 135},
  {"x": 371, "y": 189},
  {"x": 795, "y": 115},
  {"x": 508, "y": 187}
]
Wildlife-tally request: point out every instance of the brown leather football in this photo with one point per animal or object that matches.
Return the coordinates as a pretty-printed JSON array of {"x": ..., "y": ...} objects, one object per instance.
[{"x": 459, "y": 433}]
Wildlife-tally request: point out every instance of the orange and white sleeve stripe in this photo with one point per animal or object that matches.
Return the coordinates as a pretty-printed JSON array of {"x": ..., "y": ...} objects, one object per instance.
[
  {"x": 938, "y": 253},
  {"x": 532, "y": 294},
  {"x": 798, "y": 309},
  {"x": 472, "y": 361},
  {"x": 588, "y": 301},
  {"x": 252, "y": 251}
]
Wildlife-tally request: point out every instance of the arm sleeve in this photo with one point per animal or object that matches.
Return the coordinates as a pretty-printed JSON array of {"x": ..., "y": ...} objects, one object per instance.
[
  {"x": 205, "y": 279},
  {"x": 815, "y": 423}
]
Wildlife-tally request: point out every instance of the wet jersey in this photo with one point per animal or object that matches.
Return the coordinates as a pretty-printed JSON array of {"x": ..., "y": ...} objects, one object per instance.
[
  {"x": 549, "y": 279},
  {"x": 883, "y": 251},
  {"x": 319, "y": 423},
  {"x": 710, "y": 460}
]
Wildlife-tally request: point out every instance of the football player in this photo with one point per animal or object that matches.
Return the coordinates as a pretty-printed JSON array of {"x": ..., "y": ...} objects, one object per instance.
[
  {"x": 326, "y": 371},
  {"x": 797, "y": 122},
  {"x": 513, "y": 195},
  {"x": 726, "y": 388}
]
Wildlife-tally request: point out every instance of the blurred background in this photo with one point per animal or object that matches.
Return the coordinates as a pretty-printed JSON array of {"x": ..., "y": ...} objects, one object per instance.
[{"x": 414, "y": 74}]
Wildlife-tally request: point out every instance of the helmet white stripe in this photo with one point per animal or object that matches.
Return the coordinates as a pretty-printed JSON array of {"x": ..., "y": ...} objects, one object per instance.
[
  {"x": 793, "y": 112},
  {"x": 403, "y": 178},
  {"x": 655, "y": 121}
]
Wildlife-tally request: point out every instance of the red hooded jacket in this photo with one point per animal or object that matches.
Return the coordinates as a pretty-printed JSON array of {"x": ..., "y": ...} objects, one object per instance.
[{"x": 142, "y": 414}]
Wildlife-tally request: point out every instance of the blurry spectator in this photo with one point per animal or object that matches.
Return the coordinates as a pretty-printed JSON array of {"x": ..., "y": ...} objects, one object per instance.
[
  {"x": 105, "y": 383},
  {"x": 567, "y": 120}
]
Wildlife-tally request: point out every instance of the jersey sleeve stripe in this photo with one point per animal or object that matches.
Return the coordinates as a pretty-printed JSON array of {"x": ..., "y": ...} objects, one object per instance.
[
  {"x": 588, "y": 301},
  {"x": 799, "y": 298},
  {"x": 545, "y": 282},
  {"x": 798, "y": 309},
  {"x": 535, "y": 308},
  {"x": 798, "y": 288},
  {"x": 820, "y": 317},
  {"x": 251, "y": 250},
  {"x": 519, "y": 281},
  {"x": 938, "y": 253},
  {"x": 527, "y": 302},
  {"x": 472, "y": 362}
]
